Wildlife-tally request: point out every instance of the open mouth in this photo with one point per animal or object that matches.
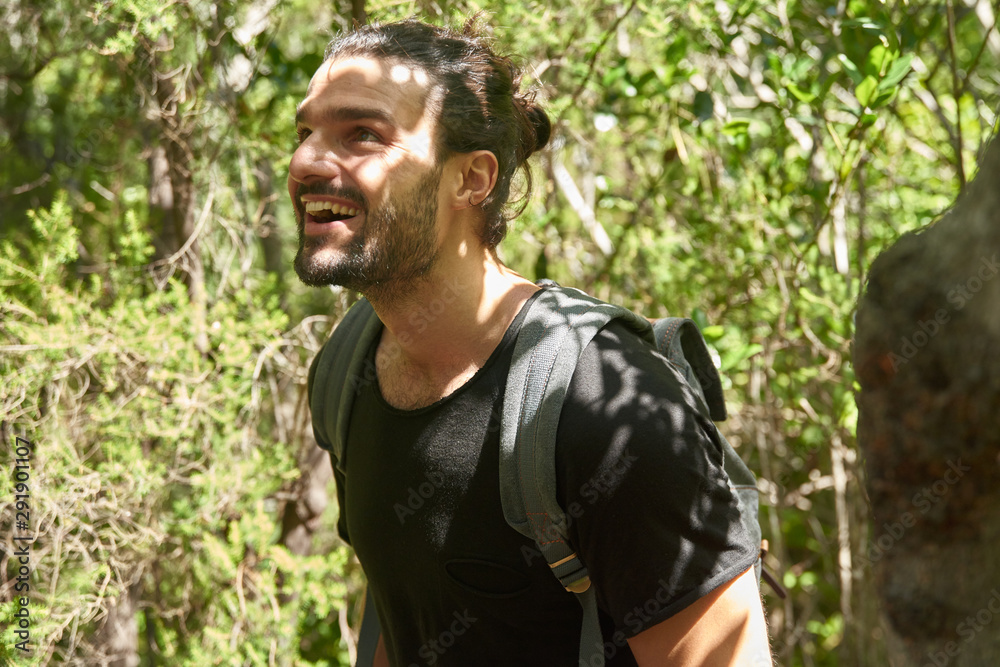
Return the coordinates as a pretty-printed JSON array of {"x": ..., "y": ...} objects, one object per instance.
[{"x": 325, "y": 211}]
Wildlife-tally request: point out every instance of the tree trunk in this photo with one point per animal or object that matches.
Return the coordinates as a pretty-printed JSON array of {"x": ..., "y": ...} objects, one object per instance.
[
  {"x": 161, "y": 203},
  {"x": 358, "y": 12},
  {"x": 174, "y": 132},
  {"x": 268, "y": 232},
  {"x": 927, "y": 353},
  {"x": 118, "y": 637},
  {"x": 302, "y": 513}
]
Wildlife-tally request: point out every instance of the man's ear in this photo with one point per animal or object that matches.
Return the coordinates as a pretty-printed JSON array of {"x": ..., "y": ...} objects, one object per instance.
[{"x": 477, "y": 177}]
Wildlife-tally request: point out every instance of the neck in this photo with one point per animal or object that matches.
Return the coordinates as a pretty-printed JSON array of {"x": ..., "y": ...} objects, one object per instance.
[{"x": 445, "y": 327}]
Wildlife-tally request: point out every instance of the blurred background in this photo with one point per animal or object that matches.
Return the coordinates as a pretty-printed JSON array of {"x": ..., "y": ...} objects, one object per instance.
[{"x": 741, "y": 163}]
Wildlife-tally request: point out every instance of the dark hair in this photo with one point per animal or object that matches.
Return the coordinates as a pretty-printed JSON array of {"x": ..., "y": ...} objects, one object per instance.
[{"x": 480, "y": 104}]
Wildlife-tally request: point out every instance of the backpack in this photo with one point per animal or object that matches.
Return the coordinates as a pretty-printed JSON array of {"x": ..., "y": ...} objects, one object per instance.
[{"x": 558, "y": 326}]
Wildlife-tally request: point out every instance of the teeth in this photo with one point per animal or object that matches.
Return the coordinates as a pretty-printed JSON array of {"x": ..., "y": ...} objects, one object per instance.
[{"x": 336, "y": 209}]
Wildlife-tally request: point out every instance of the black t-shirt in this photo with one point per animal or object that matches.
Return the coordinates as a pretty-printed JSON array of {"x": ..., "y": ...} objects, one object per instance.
[{"x": 639, "y": 473}]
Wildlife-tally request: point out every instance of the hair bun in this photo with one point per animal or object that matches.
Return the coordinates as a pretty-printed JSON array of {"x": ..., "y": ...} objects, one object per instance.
[{"x": 543, "y": 126}]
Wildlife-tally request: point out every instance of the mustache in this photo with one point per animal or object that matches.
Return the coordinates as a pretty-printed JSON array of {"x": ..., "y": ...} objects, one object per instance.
[{"x": 353, "y": 195}]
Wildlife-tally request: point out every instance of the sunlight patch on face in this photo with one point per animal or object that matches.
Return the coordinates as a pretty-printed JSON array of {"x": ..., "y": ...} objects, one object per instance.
[
  {"x": 423, "y": 146},
  {"x": 401, "y": 74},
  {"x": 402, "y": 88}
]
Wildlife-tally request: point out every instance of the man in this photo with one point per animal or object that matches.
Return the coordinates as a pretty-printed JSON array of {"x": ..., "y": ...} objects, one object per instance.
[{"x": 409, "y": 137}]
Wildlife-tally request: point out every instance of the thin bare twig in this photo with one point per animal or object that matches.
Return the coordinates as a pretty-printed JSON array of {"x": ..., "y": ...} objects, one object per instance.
[
  {"x": 956, "y": 94},
  {"x": 592, "y": 61}
]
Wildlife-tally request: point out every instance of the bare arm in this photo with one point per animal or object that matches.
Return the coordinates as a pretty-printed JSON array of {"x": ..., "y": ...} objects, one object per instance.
[{"x": 725, "y": 627}]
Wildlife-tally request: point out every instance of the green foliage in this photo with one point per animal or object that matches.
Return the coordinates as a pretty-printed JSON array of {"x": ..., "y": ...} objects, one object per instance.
[{"x": 148, "y": 449}]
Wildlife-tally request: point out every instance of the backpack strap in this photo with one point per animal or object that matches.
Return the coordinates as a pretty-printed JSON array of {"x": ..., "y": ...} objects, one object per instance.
[
  {"x": 680, "y": 341},
  {"x": 558, "y": 326},
  {"x": 371, "y": 630},
  {"x": 334, "y": 377},
  {"x": 340, "y": 367}
]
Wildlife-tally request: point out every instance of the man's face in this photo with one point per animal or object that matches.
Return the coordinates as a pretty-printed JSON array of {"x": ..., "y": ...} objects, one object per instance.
[{"x": 364, "y": 178}]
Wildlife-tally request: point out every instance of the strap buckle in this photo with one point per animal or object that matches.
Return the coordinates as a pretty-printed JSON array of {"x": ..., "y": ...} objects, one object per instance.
[{"x": 572, "y": 573}]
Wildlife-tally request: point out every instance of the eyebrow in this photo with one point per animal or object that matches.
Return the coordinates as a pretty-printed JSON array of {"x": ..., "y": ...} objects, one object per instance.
[{"x": 342, "y": 114}]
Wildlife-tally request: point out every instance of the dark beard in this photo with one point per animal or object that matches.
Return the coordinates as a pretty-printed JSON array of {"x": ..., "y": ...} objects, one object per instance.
[{"x": 395, "y": 246}]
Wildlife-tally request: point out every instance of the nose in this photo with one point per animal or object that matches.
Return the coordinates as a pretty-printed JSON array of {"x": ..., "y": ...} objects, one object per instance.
[{"x": 312, "y": 161}]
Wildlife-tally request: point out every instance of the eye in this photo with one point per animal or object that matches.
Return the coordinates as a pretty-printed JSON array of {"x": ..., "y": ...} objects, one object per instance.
[
  {"x": 301, "y": 133},
  {"x": 364, "y": 135}
]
